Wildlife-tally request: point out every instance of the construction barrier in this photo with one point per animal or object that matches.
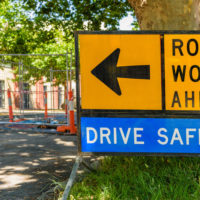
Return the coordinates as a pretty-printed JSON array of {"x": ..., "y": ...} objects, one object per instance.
[
  {"x": 71, "y": 127},
  {"x": 10, "y": 106},
  {"x": 46, "y": 100}
]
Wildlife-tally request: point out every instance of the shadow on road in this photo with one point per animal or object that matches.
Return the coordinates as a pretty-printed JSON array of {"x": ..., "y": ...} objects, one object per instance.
[{"x": 30, "y": 161}]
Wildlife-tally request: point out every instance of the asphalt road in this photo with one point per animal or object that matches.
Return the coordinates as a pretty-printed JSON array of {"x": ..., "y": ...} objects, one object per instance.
[{"x": 30, "y": 161}]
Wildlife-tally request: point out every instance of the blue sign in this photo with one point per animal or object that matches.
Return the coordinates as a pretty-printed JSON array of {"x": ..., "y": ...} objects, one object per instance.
[{"x": 140, "y": 135}]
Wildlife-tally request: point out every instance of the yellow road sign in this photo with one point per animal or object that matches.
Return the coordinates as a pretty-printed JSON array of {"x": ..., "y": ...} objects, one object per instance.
[
  {"x": 120, "y": 71},
  {"x": 182, "y": 72}
]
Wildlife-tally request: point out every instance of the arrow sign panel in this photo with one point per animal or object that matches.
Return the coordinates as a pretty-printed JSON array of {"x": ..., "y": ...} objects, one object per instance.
[
  {"x": 108, "y": 72},
  {"x": 120, "y": 71}
]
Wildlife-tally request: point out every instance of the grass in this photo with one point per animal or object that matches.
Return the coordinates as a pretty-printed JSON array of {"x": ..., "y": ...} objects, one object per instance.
[{"x": 141, "y": 178}]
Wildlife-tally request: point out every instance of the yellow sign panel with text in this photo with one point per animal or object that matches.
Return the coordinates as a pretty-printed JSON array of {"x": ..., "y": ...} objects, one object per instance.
[
  {"x": 182, "y": 72},
  {"x": 120, "y": 71}
]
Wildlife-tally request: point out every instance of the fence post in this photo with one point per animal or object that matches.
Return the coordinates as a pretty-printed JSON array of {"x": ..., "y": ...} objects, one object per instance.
[
  {"x": 45, "y": 106},
  {"x": 10, "y": 106},
  {"x": 73, "y": 128},
  {"x": 66, "y": 103}
]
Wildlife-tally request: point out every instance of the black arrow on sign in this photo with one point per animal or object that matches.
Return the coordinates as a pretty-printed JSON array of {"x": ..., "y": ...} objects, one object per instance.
[{"x": 108, "y": 72}]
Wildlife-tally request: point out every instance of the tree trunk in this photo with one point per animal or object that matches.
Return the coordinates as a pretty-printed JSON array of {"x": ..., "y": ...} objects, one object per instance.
[{"x": 167, "y": 14}]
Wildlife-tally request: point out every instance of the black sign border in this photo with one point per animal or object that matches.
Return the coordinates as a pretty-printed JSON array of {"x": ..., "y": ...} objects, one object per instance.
[{"x": 130, "y": 113}]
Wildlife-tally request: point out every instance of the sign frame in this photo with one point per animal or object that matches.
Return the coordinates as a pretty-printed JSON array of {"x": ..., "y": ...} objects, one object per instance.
[{"x": 111, "y": 113}]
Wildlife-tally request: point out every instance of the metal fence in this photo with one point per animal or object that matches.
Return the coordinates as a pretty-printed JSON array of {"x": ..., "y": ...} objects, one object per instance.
[{"x": 29, "y": 77}]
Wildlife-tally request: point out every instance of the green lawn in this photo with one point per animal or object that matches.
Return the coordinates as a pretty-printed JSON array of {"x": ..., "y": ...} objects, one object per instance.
[{"x": 142, "y": 178}]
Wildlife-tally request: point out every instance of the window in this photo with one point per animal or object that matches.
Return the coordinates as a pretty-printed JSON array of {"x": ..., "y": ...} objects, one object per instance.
[
  {"x": 45, "y": 88},
  {"x": 26, "y": 95},
  {"x": 2, "y": 93},
  {"x": 59, "y": 97}
]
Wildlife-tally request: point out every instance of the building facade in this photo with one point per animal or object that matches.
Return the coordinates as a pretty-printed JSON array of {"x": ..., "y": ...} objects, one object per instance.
[{"x": 26, "y": 96}]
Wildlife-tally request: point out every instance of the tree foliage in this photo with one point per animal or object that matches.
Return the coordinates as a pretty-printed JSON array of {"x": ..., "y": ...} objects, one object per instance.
[
  {"x": 47, "y": 26},
  {"x": 28, "y": 24},
  {"x": 70, "y": 15},
  {"x": 18, "y": 32}
]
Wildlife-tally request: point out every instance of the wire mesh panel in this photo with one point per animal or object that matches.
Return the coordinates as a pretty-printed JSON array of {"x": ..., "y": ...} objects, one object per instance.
[{"x": 39, "y": 84}]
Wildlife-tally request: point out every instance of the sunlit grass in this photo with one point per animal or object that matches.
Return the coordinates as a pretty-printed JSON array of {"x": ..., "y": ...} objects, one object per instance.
[{"x": 141, "y": 178}]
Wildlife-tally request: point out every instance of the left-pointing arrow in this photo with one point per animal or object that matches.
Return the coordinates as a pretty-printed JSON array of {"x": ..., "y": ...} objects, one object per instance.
[{"x": 107, "y": 71}]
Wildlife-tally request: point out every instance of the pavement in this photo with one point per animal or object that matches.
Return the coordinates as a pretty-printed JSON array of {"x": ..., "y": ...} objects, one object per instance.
[{"x": 31, "y": 161}]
